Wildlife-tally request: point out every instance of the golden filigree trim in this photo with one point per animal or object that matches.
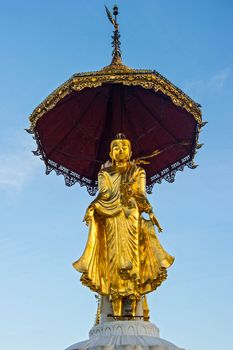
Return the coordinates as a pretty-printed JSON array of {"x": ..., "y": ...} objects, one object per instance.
[
  {"x": 154, "y": 284},
  {"x": 118, "y": 74}
]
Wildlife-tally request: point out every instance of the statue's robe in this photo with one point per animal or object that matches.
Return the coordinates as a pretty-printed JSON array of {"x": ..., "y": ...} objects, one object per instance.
[{"x": 123, "y": 256}]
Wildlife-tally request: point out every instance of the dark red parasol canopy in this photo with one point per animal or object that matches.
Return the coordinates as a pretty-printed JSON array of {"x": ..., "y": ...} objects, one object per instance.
[{"x": 75, "y": 124}]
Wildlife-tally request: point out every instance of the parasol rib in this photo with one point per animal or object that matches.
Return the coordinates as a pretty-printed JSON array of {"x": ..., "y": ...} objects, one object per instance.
[
  {"x": 154, "y": 117},
  {"x": 108, "y": 123}
]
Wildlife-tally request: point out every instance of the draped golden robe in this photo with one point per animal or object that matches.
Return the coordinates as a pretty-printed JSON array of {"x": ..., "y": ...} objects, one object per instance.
[{"x": 123, "y": 256}]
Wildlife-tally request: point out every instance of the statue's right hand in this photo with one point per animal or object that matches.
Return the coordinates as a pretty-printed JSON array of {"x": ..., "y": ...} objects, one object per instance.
[{"x": 88, "y": 216}]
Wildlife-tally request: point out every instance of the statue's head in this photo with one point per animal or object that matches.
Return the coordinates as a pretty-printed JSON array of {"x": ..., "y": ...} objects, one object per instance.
[{"x": 120, "y": 149}]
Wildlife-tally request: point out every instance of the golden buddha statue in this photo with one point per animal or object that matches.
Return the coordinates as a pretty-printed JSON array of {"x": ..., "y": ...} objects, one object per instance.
[{"x": 123, "y": 258}]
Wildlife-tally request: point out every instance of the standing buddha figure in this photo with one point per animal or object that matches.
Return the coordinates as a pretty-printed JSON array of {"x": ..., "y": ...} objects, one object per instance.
[{"x": 123, "y": 258}]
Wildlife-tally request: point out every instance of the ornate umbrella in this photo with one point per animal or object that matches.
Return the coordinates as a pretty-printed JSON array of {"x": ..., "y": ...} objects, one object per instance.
[{"x": 74, "y": 125}]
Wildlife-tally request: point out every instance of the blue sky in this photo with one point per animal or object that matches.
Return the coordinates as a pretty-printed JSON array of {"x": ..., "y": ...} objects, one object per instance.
[{"x": 42, "y": 303}]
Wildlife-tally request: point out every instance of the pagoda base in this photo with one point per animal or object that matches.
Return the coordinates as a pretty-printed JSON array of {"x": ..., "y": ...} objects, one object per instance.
[{"x": 124, "y": 335}]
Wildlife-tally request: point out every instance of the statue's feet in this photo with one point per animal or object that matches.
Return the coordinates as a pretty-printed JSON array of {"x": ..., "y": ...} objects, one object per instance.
[
  {"x": 117, "y": 307},
  {"x": 133, "y": 307}
]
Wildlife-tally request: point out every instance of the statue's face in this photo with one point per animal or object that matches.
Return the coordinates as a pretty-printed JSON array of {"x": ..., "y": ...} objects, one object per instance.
[{"x": 120, "y": 150}]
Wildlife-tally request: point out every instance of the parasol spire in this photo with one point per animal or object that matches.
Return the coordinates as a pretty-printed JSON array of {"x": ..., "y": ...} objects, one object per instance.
[{"x": 116, "y": 53}]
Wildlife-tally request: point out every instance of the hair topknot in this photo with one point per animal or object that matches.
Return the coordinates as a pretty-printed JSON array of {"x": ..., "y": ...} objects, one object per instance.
[{"x": 120, "y": 136}]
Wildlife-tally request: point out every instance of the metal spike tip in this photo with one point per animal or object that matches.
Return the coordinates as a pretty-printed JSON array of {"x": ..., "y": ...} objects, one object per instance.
[
  {"x": 194, "y": 166},
  {"x": 203, "y": 124},
  {"x": 29, "y": 131},
  {"x": 115, "y": 10}
]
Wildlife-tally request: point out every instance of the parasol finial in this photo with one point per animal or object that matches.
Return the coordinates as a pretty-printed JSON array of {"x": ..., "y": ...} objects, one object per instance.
[{"x": 116, "y": 53}]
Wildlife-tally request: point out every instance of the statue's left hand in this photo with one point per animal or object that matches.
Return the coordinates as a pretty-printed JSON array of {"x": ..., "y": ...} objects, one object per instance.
[
  {"x": 89, "y": 215},
  {"x": 160, "y": 229},
  {"x": 155, "y": 221}
]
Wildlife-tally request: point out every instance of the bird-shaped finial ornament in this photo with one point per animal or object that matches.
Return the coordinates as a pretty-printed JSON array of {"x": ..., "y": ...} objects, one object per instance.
[{"x": 116, "y": 53}]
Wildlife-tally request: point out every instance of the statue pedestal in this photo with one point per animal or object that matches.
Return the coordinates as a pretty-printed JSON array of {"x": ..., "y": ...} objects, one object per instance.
[{"x": 124, "y": 335}]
